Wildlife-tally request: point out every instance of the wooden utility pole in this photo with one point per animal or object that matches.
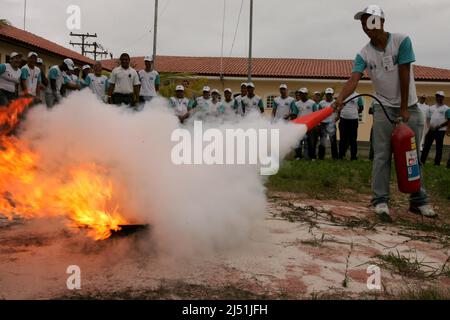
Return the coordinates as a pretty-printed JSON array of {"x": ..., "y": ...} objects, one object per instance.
[{"x": 83, "y": 43}]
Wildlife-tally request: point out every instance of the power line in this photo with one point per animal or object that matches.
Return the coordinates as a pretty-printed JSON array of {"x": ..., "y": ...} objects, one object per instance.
[{"x": 237, "y": 27}]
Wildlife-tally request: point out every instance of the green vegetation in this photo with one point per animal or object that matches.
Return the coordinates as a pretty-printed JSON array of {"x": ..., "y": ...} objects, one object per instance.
[{"x": 346, "y": 180}]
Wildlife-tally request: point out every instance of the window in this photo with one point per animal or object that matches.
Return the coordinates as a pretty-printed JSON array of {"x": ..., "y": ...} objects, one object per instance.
[{"x": 269, "y": 101}]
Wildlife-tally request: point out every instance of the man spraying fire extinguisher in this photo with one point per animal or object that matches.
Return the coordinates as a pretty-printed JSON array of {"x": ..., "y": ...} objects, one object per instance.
[{"x": 388, "y": 59}]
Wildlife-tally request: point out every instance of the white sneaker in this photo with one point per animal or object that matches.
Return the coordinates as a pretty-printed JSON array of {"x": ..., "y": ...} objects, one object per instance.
[
  {"x": 382, "y": 211},
  {"x": 425, "y": 210}
]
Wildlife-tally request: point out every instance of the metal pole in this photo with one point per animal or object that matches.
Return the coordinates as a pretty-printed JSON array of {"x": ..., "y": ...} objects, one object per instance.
[
  {"x": 155, "y": 31},
  {"x": 24, "y": 14},
  {"x": 250, "y": 43}
]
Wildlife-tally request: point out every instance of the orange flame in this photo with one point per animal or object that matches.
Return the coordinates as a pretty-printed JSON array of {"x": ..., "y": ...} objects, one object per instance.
[{"x": 84, "y": 194}]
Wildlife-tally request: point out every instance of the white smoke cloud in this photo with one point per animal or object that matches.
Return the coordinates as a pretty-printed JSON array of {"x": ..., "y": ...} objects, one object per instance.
[{"x": 192, "y": 209}]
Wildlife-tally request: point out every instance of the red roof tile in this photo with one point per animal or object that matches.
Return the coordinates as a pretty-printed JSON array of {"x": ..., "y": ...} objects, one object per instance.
[
  {"x": 28, "y": 39},
  {"x": 270, "y": 67}
]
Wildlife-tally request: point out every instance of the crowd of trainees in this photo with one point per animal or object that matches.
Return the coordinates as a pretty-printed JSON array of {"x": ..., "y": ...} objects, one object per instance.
[{"x": 126, "y": 86}]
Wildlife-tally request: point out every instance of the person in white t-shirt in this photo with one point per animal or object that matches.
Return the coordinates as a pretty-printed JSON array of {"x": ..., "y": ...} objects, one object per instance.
[
  {"x": 124, "y": 84},
  {"x": 283, "y": 106},
  {"x": 181, "y": 105},
  {"x": 9, "y": 79},
  {"x": 425, "y": 108},
  {"x": 31, "y": 78},
  {"x": 348, "y": 127},
  {"x": 305, "y": 106},
  {"x": 228, "y": 104},
  {"x": 252, "y": 101},
  {"x": 439, "y": 116},
  {"x": 57, "y": 81},
  {"x": 150, "y": 81},
  {"x": 388, "y": 59},
  {"x": 238, "y": 98},
  {"x": 328, "y": 128},
  {"x": 97, "y": 82}
]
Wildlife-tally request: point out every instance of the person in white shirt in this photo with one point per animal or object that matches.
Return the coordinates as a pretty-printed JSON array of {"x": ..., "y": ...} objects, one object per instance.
[
  {"x": 388, "y": 58},
  {"x": 228, "y": 104},
  {"x": 283, "y": 106},
  {"x": 305, "y": 106},
  {"x": 44, "y": 80},
  {"x": 181, "y": 105},
  {"x": 425, "y": 108},
  {"x": 215, "y": 106},
  {"x": 57, "y": 80},
  {"x": 239, "y": 98},
  {"x": 251, "y": 101},
  {"x": 202, "y": 104},
  {"x": 439, "y": 116},
  {"x": 328, "y": 128},
  {"x": 124, "y": 84},
  {"x": 97, "y": 82},
  {"x": 150, "y": 81},
  {"x": 348, "y": 127},
  {"x": 31, "y": 78},
  {"x": 9, "y": 79}
]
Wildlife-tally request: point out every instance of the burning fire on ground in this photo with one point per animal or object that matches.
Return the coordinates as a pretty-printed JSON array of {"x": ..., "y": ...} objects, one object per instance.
[{"x": 84, "y": 194}]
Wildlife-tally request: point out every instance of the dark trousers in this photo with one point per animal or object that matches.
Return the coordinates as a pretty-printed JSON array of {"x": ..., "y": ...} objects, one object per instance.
[
  {"x": 433, "y": 135},
  {"x": 6, "y": 97},
  {"x": 348, "y": 129},
  {"x": 119, "y": 98}
]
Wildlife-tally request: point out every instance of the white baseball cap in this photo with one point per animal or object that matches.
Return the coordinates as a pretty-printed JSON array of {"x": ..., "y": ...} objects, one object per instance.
[
  {"x": 86, "y": 66},
  {"x": 283, "y": 86},
  {"x": 317, "y": 93},
  {"x": 206, "y": 88},
  {"x": 215, "y": 91},
  {"x": 228, "y": 90},
  {"x": 373, "y": 10},
  {"x": 179, "y": 88},
  {"x": 303, "y": 90},
  {"x": 243, "y": 84},
  {"x": 69, "y": 63},
  {"x": 440, "y": 93},
  {"x": 148, "y": 58},
  {"x": 40, "y": 61},
  {"x": 14, "y": 54},
  {"x": 329, "y": 91},
  {"x": 31, "y": 53},
  {"x": 250, "y": 85}
]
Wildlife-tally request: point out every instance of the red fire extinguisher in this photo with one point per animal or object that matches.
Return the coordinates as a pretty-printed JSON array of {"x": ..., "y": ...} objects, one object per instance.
[{"x": 404, "y": 147}]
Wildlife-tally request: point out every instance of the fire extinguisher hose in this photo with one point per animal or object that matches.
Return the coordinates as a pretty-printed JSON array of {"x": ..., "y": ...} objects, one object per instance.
[{"x": 376, "y": 99}]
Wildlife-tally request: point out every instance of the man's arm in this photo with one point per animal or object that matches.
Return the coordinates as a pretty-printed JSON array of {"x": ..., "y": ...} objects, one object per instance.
[
  {"x": 23, "y": 81},
  {"x": 261, "y": 105},
  {"x": 348, "y": 89},
  {"x": 136, "y": 90}
]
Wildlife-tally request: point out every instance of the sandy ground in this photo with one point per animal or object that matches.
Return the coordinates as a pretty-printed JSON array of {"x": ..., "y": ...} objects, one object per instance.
[{"x": 308, "y": 249}]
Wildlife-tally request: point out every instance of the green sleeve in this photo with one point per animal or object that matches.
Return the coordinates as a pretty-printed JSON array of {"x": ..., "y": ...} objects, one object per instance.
[
  {"x": 274, "y": 105},
  {"x": 53, "y": 74},
  {"x": 447, "y": 114},
  {"x": 294, "y": 108},
  {"x": 66, "y": 80},
  {"x": 360, "y": 102},
  {"x": 261, "y": 104},
  {"x": 359, "y": 64},
  {"x": 405, "y": 52},
  {"x": 40, "y": 78},
  {"x": 158, "y": 80},
  {"x": 2, "y": 68},
  {"x": 192, "y": 104},
  {"x": 24, "y": 74},
  {"x": 87, "y": 82}
]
